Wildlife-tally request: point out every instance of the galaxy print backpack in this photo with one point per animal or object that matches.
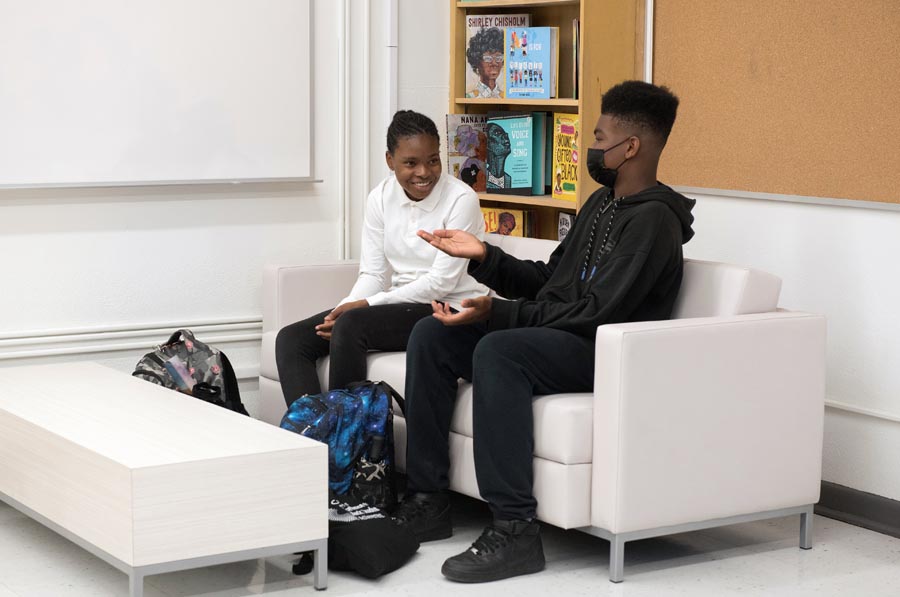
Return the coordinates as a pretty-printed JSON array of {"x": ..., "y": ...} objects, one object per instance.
[{"x": 357, "y": 423}]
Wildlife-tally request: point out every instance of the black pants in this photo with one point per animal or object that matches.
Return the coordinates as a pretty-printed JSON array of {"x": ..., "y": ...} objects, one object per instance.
[
  {"x": 507, "y": 368},
  {"x": 297, "y": 347}
]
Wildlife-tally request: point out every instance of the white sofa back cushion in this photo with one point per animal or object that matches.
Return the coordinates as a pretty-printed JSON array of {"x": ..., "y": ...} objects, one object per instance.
[
  {"x": 708, "y": 289},
  {"x": 711, "y": 289},
  {"x": 535, "y": 249}
]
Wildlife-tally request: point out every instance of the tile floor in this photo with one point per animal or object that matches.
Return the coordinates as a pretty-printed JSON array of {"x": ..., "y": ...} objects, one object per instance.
[{"x": 760, "y": 558}]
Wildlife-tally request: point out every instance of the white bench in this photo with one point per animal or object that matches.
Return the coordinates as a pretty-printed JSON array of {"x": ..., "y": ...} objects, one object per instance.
[{"x": 153, "y": 481}]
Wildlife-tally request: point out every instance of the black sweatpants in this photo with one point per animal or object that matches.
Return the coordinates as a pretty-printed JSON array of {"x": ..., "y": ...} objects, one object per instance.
[
  {"x": 507, "y": 368},
  {"x": 355, "y": 332}
]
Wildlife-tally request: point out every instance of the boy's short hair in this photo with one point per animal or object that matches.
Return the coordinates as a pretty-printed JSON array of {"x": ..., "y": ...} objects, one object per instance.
[{"x": 647, "y": 106}]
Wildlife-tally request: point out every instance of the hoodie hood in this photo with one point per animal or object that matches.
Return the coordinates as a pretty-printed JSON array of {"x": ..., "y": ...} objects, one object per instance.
[{"x": 680, "y": 205}]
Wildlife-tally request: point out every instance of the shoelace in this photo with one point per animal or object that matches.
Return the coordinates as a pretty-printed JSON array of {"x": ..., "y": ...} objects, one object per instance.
[{"x": 490, "y": 541}]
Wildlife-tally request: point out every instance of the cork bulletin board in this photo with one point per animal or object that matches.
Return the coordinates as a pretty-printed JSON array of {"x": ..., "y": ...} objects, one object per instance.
[{"x": 794, "y": 97}]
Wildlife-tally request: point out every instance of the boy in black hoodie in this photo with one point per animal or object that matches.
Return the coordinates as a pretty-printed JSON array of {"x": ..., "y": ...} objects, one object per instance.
[{"x": 621, "y": 261}]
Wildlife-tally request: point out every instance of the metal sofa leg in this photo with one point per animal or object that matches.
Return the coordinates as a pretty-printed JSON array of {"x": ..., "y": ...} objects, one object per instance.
[{"x": 616, "y": 559}]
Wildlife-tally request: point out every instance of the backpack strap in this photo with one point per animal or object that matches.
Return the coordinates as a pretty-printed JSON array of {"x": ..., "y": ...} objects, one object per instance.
[
  {"x": 148, "y": 373},
  {"x": 401, "y": 402},
  {"x": 394, "y": 394},
  {"x": 156, "y": 359},
  {"x": 232, "y": 393},
  {"x": 384, "y": 386}
]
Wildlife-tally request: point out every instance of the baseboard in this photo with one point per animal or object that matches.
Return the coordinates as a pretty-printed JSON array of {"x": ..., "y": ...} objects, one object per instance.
[{"x": 859, "y": 508}]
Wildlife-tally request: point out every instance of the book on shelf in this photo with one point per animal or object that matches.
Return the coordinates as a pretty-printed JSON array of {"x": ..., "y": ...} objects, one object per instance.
[
  {"x": 516, "y": 153},
  {"x": 565, "y": 156},
  {"x": 566, "y": 220},
  {"x": 540, "y": 152},
  {"x": 485, "y": 73},
  {"x": 576, "y": 30},
  {"x": 467, "y": 149},
  {"x": 509, "y": 222},
  {"x": 548, "y": 153},
  {"x": 532, "y": 62}
]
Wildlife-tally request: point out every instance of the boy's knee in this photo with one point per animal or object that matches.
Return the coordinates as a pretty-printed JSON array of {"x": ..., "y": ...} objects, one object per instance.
[
  {"x": 426, "y": 332},
  {"x": 343, "y": 323},
  {"x": 352, "y": 318},
  {"x": 285, "y": 338},
  {"x": 295, "y": 338},
  {"x": 491, "y": 349}
]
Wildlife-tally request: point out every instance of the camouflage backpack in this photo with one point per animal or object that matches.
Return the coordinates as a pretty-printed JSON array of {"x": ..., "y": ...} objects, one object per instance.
[{"x": 189, "y": 366}]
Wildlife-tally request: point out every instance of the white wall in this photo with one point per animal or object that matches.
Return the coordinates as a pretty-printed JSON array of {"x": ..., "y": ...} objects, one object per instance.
[
  {"x": 424, "y": 73},
  {"x": 105, "y": 274},
  {"x": 839, "y": 261}
]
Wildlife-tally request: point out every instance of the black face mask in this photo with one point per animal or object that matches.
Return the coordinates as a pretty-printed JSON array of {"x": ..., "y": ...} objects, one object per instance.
[{"x": 597, "y": 168}]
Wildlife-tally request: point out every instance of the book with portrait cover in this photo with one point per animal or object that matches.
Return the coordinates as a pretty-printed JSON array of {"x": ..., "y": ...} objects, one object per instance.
[
  {"x": 485, "y": 75},
  {"x": 532, "y": 62},
  {"x": 500, "y": 220},
  {"x": 565, "y": 156},
  {"x": 467, "y": 149},
  {"x": 510, "y": 155},
  {"x": 566, "y": 220},
  {"x": 510, "y": 222}
]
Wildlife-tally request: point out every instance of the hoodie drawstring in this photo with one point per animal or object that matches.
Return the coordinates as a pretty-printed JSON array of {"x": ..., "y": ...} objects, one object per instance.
[{"x": 590, "y": 247}]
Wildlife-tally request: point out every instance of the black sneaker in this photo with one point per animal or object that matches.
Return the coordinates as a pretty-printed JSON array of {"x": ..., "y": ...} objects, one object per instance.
[
  {"x": 506, "y": 548},
  {"x": 427, "y": 515}
]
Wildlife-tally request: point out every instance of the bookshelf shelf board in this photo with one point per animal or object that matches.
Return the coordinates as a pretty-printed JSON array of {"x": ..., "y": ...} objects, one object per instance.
[
  {"x": 538, "y": 200},
  {"x": 523, "y": 3},
  {"x": 548, "y": 103}
]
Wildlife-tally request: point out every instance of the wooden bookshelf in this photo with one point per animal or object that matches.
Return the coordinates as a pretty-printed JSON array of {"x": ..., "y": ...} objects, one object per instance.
[
  {"x": 548, "y": 104},
  {"x": 513, "y": 3},
  {"x": 611, "y": 50},
  {"x": 546, "y": 209},
  {"x": 533, "y": 200}
]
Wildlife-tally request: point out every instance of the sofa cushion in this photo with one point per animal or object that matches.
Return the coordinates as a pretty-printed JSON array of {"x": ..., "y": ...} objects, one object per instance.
[
  {"x": 562, "y": 422},
  {"x": 389, "y": 367}
]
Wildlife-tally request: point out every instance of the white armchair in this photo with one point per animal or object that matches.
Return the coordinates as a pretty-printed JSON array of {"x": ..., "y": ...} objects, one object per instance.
[{"x": 714, "y": 417}]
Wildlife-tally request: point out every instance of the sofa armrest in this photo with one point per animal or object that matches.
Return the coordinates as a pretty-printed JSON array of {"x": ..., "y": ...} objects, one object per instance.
[
  {"x": 293, "y": 292},
  {"x": 697, "y": 419}
]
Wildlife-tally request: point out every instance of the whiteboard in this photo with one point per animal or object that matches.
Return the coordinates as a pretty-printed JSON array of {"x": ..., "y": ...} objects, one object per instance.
[{"x": 99, "y": 92}]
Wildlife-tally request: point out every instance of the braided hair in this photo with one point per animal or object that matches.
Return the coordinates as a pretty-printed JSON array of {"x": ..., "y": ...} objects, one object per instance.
[{"x": 407, "y": 123}]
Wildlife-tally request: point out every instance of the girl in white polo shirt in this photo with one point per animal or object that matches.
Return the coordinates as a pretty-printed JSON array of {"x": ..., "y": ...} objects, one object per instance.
[{"x": 416, "y": 196}]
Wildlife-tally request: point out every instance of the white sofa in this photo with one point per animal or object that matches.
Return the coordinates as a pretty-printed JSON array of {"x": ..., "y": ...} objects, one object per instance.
[{"x": 711, "y": 418}]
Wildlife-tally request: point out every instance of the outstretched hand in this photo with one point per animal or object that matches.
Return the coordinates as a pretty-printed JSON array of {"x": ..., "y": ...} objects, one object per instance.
[
  {"x": 456, "y": 243},
  {"x": 323, "y": 330},
  {"x": 476, "y": 309}
]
